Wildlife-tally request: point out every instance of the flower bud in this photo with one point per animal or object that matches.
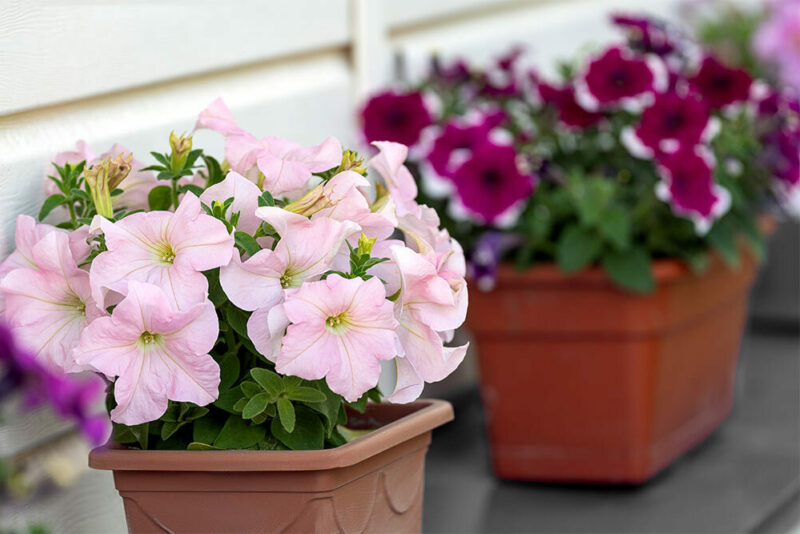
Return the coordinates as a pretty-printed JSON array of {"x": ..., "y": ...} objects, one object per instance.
[
  {"x": 118, "y": 170},
  {"x": 181, "y": 146},
  {"x": 352, "y": 162},
  {"x": 365, "y": 245},
  {"x": 96, "y": 177},
  {"x": 311, "y": 202}
]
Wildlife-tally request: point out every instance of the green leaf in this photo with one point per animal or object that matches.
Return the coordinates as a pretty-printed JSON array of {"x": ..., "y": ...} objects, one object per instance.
[
  {"x": 194, "y": 189},
  {"x": 206, "y": 429},
  {"x": 169, "y": 428},
  {"x": 199, "y": 446},
  {"x": 250, "y": 389},
  {"x": 305, "y": 394},
  {"x": 615, "y": 227},
  {"x": 308, "y": 434},
  {"x": 591, "y": 197},
  {"x": 723, "y": 238},
  {"x": 576, "y": 248},
  {"x": 329, "y": 408},
  {"x": 142, "y": 434},
  {"x": 256, "y": 405},
  {"x": 286, "y": 414},
  {"x": 247, "y": 242},
  {"x": 361, "y": 404},
  {"x": 236, "y": 433},
  {"x": 630, "y": 269},
  {"x": 270, "y": 381},
  {"x": 349, "y": 434},
  {"x": 229, "y": 367},
  {"x": 237, "y": 319},
  {"x": 240, "y": 404},
  {"x": 160, "y": 198},
  {"x": 215, "y": 292},
  {"x": 51, "y": 203},
  {"x": 227, "y": 399},
  {"x": 214, "y": 171}
]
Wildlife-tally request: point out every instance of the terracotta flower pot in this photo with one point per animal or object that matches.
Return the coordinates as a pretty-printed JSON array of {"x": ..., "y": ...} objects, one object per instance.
[
  {"x": 372, "y": 484},
  {"x": 583, "y": 382}
]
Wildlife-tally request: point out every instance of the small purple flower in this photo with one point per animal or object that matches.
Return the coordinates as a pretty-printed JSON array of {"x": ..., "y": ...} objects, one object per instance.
[
  {"x": 689, "y": 188},
  {"x": 720, "y": 85},
  {"x": 569, "y": 112},
  {"x": 398, "y": 117},
  {"x": 71, "y": 398},
  {"x": 646, "y": 34},
  {"x": 619, "y": 77},
  {"x": 459, "y": 136},
  {"x": 782, "y": 157},
  {"x": 486, "y": 256},
  {"x": 490, "y": 183},
  {"x": 671, "y": 122}
]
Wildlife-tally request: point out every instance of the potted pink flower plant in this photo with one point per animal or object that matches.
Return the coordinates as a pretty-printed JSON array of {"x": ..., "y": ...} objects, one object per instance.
[
  {"x": 611, "y": 219},
  {"x": 240, "y": 312}
]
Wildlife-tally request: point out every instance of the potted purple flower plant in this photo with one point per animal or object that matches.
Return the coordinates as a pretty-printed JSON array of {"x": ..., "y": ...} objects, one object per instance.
[{"x": 612, "y": 219}]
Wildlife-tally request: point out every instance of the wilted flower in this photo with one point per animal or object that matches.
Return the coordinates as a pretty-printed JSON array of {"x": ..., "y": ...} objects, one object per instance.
[
  {"x": 490, "y": 183},
  {"x": 618, "y": 77},
  {"x": 720, "y": 85},
  {"x": 393, "y": 116},
  {"x": 103, "y": 177},
  {"x": 689, "y": 188}
]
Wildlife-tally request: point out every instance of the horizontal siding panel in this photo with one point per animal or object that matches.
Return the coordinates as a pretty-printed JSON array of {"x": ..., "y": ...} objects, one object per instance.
[
  {"x": 54, "y": 51},
  {"x": 411, "y": 12},
  {"x": 303, "y": 100}
]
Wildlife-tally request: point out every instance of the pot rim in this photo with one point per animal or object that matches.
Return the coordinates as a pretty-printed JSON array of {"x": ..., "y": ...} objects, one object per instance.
[{"x": 423, "y": 416}]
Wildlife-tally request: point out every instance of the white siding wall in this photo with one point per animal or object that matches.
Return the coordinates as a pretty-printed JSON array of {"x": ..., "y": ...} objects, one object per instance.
[{"x": 131, "y": 71}]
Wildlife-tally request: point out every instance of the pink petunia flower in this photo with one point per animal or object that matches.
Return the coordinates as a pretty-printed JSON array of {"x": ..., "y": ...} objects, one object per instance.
[
  {"x": 776, "y": 41},
  {"x": 341, "y": 329},
  {"x": 49, "y": 303},
  {"x": 671, "y": 122},
  {"x": 304, "y": 252},
  {"x": 391, "y": 116},
  {"x": 433, "y": 299},
  {"x": 620, "y": 78},
  {"x": 389, "y": 163},
  {"x": 689, "y": 188},
  {"x": 286, "y": 166},
  {"x": 245, "y": 199},
  {"x": 570, "y": 113},
  {"x": 158, "y": 353},
  {"x": 166, "y": 249}
]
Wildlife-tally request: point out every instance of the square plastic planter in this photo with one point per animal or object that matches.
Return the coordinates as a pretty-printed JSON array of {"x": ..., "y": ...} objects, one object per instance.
[
  {"x": 582, "y": 382},
  {"x": 372, "y": 484}
]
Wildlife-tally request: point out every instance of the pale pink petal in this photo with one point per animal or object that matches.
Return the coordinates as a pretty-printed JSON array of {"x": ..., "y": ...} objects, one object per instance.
[
  {"x": 245, "y": 199},
  {"x": 266, "y": 328},
  {"x": 390, "y": 165},
  {"x": 256, "y": 283},
  {"x": 217, "y": 117},
  {"x": 408, "y": 385}
]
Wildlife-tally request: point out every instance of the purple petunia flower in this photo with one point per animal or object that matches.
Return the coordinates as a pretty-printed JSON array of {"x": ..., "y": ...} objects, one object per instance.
[
  {"x": 720, "y": 85},
  {"x": 71, "y": 398},
  {"x": 455, "y": 72},
  {"x": 688, "y": 186},
  {"x": 619, "y": 77},
  {"x": 459, "y": 136},
  {"x": 569, "y": 112},
  {"x": 646, "y": 34},
  {"x": 398, "y": 117},
  {"x": 490, "y": 183},
  {"x": 782, "y": 157},
  {"x": 671, "y": 122}
]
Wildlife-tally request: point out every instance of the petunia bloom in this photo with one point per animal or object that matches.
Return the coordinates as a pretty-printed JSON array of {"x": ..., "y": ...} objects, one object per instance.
[
  {"x": 776, "y": 40},
  {"x": 341, "y": 330},
  {"x": 720, "y": 85},
  {"x": 646, "y": 34},
  {"x": 689, "y": 188},
  {"x": 490, "y": 183},
  {"x": 397, "y": 117},
  {"x": 305, "y": 251},
  {"x": 458, "y": 136},
  {"x": 166, "y": 249},
  {"x": 245, "y": 199},
  {"x": 48, "y": 306},
  {"x": 389, "y": 163},
  {"x": 620, "y": 78},
  {"x": 570, "y": 113},
  {"x": 157, "y": 353},
  {"x": 671, "y": 122}
]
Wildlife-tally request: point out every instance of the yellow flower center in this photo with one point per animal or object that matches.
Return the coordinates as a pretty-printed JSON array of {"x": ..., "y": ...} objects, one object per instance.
[
  {"x": 338, "y": 324},
  {"x": 149, "y": 340},
  {"x": 164, "y": 253}
]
